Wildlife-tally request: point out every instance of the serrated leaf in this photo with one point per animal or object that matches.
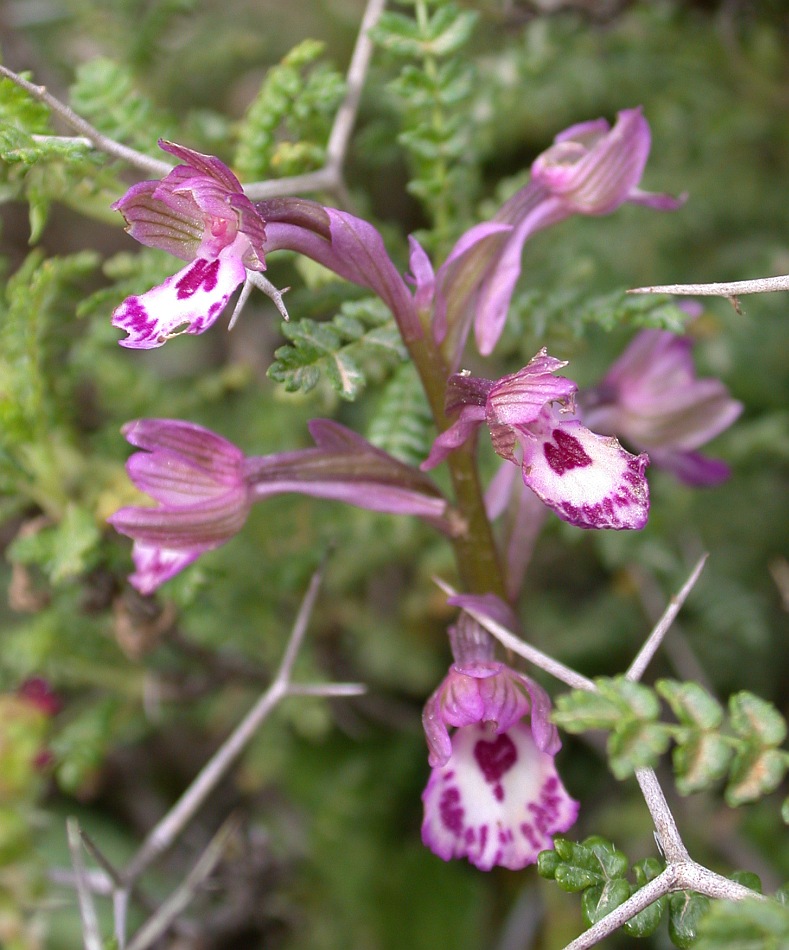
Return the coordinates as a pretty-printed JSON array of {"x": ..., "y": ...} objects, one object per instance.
[
  {"x": 640, "y": 700},
  {"x": 754, "y": 773},
  {"x": 582, "y": 710},
  {"x": 685, "y": 912},
  {"x": 600, "y": 900},
  {"x": 700, "y": 761},
  {"x": 337, "y": 349},
  {"x": 691, "y": 704},
  {"x": 753, "y": 717},
  {"x": 635, "y": 744}
]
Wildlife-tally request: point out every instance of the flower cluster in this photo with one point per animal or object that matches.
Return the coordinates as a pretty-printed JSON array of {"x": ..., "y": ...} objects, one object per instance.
[
  {"x": 494, "y": 795},
  {"x": 587, "y": 479}
]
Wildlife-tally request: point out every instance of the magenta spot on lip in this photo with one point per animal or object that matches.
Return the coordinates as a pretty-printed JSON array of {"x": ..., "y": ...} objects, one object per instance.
[
  {"x": 495, "y": 759},
  {"x": 451, "y": 811},
  {"x": 201, "y": 275},
  {"x": 566, "y": 454}
]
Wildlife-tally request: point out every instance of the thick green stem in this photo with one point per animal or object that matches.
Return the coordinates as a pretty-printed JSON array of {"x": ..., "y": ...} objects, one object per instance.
[{"x": 475, "y": 548}]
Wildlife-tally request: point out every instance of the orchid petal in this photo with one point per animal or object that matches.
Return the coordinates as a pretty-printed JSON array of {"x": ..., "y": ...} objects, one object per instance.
[
  {"x": 588, "y": 480},
  {"x": 188, "y": 302},
  {"x": 497, "y": 801}
]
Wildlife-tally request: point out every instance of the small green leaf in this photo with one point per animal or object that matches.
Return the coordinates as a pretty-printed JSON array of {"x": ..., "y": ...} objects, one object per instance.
[
  {"x": 581, "y": 710},
  {"x": 748, "y": 879},
  {"x": 105, "y": 93},
  {"x": 691, "y": 704},
  {"x": 646, "y": 922},
  {"x": 600, "y": 900},
  {"x": 755, "y": 718},
  {"x": 785, "y": 810},
  {"x": 634, "y": 745},
  {"x": 754, "y": 773},
  {"x": 62, "y": 551},
  {"x": 343, "y": 350},
  {"x": 547, "y": 863},
  {"x": 685, "y": 911},
  {"x": 700, "y": 761},
  {"x": 640, "y": 700}
]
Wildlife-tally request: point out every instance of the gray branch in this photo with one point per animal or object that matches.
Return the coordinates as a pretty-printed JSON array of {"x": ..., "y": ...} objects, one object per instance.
[{"x": 733, "y": 288}]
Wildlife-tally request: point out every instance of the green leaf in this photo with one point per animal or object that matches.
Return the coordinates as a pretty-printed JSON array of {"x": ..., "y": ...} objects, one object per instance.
[
  {"x": 700, "y": 761},
  {"x": 286, "y": 127},
  {"x": 691, "y": 704},
  {"x": 744, "y": 925},
  {"x": 402, "y": 424},
  {"x": 640, "y": 700},
  {"x": 636, "y": 744},
  {"x": 755, "y": 718},
  {"x": 19, "y": 110},
  {"x": 344, "y": 351},
  {"x": 582, "y": 710},
  {"x": 748, "y": 879},
  {"x": 755, "y": 772},
  {"x": 685, "y": 911},
  {"x": 600, "y": 900},
  {"x": 593, "y": 861},
  {"x": 35, "y": 387},
  {"x": 646, "y": 921}
]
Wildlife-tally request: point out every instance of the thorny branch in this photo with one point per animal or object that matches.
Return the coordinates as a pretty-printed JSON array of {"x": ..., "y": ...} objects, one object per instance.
[
  {"x": 733, "y": 288},
  {"x": 120, "y": 883},
  {"x": 682, "y": 872},
  {"x": 328, "y": 178}
]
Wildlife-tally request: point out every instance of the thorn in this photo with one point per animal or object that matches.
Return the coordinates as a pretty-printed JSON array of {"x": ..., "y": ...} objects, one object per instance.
[{"x": 262, "y": 283}]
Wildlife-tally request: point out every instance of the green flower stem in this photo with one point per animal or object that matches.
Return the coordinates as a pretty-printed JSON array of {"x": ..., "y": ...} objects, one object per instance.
[{"x": 475, "y": 548}]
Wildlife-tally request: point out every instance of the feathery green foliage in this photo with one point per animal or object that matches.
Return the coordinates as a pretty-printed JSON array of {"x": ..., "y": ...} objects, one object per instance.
[
  {"x": 286, "y": 127},
  {"x": 706, "y": 748},
  {"x": 359, "y": 341}
]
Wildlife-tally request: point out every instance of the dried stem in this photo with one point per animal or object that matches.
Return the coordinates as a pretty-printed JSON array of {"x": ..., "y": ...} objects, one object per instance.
[
  {"x": 162, "y": 836},
  {"x": 156, "y": 926},
  {"x": 329, "y": 178},
  {"x": 648, "y": 650},
  {"x": 90, "y": 924},
  {"x": 146, "y": 163},
  {"x": 733, "y": 288}
]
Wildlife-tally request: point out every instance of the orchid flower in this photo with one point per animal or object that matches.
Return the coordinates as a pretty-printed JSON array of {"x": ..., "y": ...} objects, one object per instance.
[
  {"x": 653, "y": 400},
  {"x": 204, "y": 487},
  {"x": 197, "y": 212},
  {"x": 588, "y": 480},
  {"x": 591, "y": 169},
  {"x": 494, "y": 795}
]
